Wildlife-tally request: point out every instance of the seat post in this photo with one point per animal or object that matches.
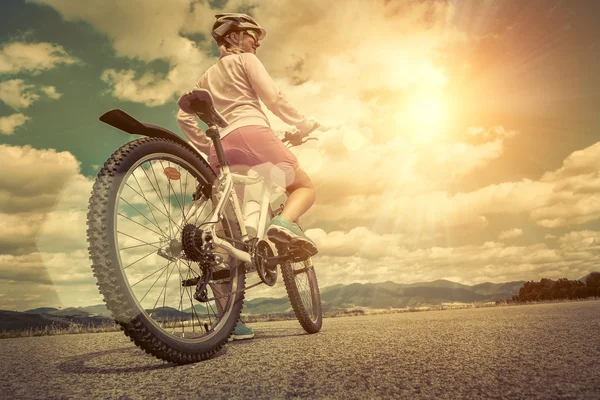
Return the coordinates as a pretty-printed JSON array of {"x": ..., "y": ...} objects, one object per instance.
[{"x": 213, "y": 133}]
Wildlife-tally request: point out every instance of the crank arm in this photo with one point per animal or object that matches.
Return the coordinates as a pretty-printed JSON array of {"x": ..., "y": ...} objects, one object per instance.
[
  {"x": 294, "y": 257},
  {"x": 216, "y": 276}
]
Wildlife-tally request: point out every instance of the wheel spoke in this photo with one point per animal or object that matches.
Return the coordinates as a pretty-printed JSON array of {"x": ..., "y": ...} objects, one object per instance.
[
  {"x": 143, "y": 196},
  {"x": 173, "y": 189},
  {"x": 148, "y": 276},
  {"x": 159, "y": 195},
  {"x": 139, "y": 245},
  {"x": 139, "y": 240},
  {"x": 140, "y": 259},
  {"x": 163, "y": 290},
  {"x": 143, "y": 226},
  {"x": 165, "y": 269},
  {"x": 189, "y": 293},
  {"x": 149, "y": 203}
]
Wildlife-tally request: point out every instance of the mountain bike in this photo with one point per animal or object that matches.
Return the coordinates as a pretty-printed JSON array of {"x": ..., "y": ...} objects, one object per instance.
[{"x": 169, "y": 244}]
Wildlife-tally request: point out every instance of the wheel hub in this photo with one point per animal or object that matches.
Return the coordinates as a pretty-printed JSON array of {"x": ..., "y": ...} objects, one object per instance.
[{"x": 175, "y": 247}]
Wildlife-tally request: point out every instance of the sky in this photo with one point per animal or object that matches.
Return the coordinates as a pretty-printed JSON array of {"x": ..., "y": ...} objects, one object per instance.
[{"x": 465, "y": 141}]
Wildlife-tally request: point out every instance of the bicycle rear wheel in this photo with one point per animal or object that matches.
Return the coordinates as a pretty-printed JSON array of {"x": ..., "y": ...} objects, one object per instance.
[
  {"x": 140, "y": 203},
  {"x": 302, "y": 288}
]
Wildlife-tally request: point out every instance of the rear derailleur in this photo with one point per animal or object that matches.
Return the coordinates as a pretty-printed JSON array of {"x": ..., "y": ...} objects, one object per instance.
[{"x": 201, "y": 250}]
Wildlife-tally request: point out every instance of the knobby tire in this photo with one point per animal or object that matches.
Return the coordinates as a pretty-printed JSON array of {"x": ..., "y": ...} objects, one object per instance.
[{"x": 108, "y": 267}]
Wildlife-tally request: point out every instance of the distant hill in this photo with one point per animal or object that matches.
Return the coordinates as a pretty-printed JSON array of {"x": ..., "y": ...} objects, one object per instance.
[
  {"x": 13, "y": 320},
  {"x": 200, "y": 309},
  {"x": 391, "y": 294},
  {"x": 41, "y": 310},
  {"x": 167, "y": 313},
  {"x": 584, "y": 279},
  {"x": 70, "y": 312},
  {"x": 98, "y": 309},
  {"x": 334, "y": 298},
  {"x": 267, "y": 305}
]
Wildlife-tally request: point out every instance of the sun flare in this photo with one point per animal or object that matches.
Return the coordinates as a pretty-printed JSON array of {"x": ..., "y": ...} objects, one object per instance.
[{"x": 424, "y": 117}]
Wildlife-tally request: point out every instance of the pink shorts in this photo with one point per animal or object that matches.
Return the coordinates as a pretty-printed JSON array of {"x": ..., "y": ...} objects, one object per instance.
[{"x": 258, "y": 148}]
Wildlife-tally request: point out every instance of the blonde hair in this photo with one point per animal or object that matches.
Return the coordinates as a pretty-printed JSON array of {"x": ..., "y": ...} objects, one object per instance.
[
  {"x": 227, "y": 47},
  {"x": 226, "y": 51}
]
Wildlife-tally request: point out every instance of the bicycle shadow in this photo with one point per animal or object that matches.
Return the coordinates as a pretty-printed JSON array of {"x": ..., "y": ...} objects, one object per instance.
[
  {"x": 80, "y": 364},
  {"x": 271, "y": 336}
]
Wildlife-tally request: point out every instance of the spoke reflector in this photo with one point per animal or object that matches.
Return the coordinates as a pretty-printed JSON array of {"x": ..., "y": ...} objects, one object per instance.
[{"x": 172, "y": 173}]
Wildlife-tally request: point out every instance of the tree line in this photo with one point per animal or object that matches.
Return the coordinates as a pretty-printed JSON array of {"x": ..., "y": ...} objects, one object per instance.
[{"x": 548, "y": 289}]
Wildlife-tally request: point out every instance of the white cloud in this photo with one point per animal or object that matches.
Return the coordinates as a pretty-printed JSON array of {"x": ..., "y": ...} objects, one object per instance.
[
  {"x": 381, "y": 39},
  {"x": 575, "y": 198},
  {"x": 46, "y": 210},
  {"x": 360, "y": 255},
  {"x": 575, "y": 211},
  {"x": 12, "y": 122},
  {"x": 19, "y": 57},
  {"x": 495, "y": 132},
  {"x": 402, "y": 208},
  {"x": 147, "y": 30},
  {"x": 23, "y": 189},
  {"x": 40, "y": 279},
  {"x": 51, "y": 92},
  {"x": 580, "y": 240},
  {"x": 509, "y": 234},
  {"x": 43, "y": 205},
  {"x": 581, "y": 162},
  {"x": 18, "y": 94},
  {"x": 150, "y": 88},
  {"x": 452, "y": 161}
]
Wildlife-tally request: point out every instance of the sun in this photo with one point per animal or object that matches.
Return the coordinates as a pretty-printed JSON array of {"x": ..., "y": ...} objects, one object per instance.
[
  {"x": 428, "y": 110},
  {"x": 424, "y": 116}
]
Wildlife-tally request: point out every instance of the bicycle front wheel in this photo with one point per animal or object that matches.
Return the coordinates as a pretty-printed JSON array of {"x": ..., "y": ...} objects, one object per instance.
[
  {"x": 141, "y": 201},
  {"x": 302, "y": 288}
]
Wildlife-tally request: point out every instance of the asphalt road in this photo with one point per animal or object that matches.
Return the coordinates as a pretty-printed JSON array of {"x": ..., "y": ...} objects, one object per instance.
[{"x": 544, "y": 351}]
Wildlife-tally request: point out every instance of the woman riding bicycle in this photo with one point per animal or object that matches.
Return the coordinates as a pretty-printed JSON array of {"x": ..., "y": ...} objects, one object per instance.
[{"x": 237, "y": 82}]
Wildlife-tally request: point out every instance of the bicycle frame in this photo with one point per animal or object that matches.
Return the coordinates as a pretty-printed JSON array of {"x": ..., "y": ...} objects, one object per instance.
[{"x": 224, "y": 186}]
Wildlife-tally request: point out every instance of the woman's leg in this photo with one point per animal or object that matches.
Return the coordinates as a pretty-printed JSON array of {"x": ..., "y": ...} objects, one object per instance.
[
  {"x": 284, "y": 228},
  {"x": 301, "y": 196}
]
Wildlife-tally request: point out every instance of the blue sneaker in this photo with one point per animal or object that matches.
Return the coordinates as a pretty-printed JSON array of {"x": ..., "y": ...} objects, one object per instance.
[
  {"x": 241, "y": 332},
  {"x": 290, "y": 234}
]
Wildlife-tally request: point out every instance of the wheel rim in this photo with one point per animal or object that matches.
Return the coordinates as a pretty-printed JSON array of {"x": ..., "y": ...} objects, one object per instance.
[
  {"x": 303, "y": 279},
  {"x": 151, "y": 208}
]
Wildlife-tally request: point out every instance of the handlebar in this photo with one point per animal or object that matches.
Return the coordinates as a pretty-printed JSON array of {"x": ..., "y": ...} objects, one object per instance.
[{"x": 295, "y": 139}]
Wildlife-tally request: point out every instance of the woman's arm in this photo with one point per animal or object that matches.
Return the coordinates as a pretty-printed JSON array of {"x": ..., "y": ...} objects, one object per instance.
[
  {"x": 262, "y": 83},
  {"x": 189, "y": 127}
]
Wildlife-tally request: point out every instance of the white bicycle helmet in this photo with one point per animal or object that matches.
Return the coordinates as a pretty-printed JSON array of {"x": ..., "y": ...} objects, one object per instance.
[{"x": 232, "y": 22}]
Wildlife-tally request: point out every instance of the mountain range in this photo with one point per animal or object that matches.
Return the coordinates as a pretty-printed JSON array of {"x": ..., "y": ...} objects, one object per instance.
[
  {"x": 393, "y": 295},
  {"x": 334, "y": 298}
]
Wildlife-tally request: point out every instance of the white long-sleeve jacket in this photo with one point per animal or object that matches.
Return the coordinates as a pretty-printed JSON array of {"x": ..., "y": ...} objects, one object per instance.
[{"x": 236, "y": 83}]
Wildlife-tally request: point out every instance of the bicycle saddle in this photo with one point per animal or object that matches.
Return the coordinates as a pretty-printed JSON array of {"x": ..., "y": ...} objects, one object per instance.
[{"x": 200, "y": 102}]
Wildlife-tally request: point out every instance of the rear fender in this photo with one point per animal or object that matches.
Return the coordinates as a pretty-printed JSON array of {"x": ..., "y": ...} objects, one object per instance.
[
  {"x": 126, "y": 123},
  {"x": 121, "y": 120}
]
